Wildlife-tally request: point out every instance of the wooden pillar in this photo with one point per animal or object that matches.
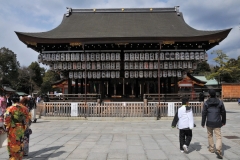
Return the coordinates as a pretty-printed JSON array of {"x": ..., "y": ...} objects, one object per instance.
[
  {"x": 81, "y": 86},
  {"x": 169, "y": 85},
  {"x": 69, "y": 86},
  {"x": 76, "y": 86}
]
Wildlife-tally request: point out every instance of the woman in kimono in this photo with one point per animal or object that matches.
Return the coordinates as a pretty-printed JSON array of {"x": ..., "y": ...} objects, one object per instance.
[
  {"x": 3, "y": 106},
  {"x": 16, "y": 118},
  {"x": 24, "y": 102}
]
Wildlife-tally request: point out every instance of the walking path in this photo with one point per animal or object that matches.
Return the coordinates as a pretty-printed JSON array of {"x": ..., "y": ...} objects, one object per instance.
[{"x": 126, "y": 140}]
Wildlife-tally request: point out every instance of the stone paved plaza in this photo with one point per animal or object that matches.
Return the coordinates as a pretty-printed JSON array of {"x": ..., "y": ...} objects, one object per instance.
[{"x": 126, "y": 140}]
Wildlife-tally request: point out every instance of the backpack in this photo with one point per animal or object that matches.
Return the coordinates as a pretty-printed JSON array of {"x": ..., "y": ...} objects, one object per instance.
[{"x": 31, "y": 103}]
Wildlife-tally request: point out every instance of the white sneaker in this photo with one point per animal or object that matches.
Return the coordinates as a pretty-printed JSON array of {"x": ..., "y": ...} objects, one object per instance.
[
  {"x": 181, "y": 151},
  {"x": 185, "y": 148}
]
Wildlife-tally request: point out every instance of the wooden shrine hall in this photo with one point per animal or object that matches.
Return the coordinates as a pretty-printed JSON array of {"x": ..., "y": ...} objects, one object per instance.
[{"x": 123, "y": 53}]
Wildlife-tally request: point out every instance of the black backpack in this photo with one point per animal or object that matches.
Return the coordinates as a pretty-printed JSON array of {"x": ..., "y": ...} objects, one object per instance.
[{"x": 31, "y": 103}]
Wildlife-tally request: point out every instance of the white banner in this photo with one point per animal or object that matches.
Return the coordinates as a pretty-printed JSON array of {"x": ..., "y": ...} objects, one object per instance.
[
  {"x": 171, "y": 109},
  {"x": 74, "y": 109}
]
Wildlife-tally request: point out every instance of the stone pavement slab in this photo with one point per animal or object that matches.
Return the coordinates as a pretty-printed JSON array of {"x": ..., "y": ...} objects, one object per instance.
[{"x": 126, "y": 140}]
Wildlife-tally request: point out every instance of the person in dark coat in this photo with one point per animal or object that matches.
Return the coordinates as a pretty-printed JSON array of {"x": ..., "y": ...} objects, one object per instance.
[
  {"x": 9, "y": 100},
  {"x": 214, "y": 117}
]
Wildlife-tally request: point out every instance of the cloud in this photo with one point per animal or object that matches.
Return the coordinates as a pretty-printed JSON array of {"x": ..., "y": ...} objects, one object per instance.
[{"x": 45, "y": 15}]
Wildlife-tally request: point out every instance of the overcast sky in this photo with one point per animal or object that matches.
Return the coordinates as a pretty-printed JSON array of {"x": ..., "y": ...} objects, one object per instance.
[{"x": 44, "y": 15}]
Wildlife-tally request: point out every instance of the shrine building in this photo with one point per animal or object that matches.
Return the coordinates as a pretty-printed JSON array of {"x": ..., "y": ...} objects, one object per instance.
[{"x": 123, "y": 53}]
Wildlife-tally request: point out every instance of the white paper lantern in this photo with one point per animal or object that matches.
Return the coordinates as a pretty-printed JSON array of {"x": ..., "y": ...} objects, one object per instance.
[
  {"x": 179, "y": 73},
  {"x": 142, "y": 56},
  {"x": 70, "y": 74},
  {"x": 169, "y": 72},
  {"x": 187, "y": 56},
  {"x": 55, "y": 66},
  {"x": 117, "y": 74},
  {"x": 160, "y": 74},
  {"x": 113, "y": 56},
  {"x": 70, "y": 65},
  {"x": 150, "y": 65},
  {"x": 103, "y": 57},
  {"x": 83, "y": 65},
  {"x": 93, "y": 65},
  {"x": 145, "y": 65},
  {"x": 48, "y": 57},
  {"x": 65, "y": 65},
  {"x": 84, "y": 75},
  {"x": 89, "y": 74},
  {"x": 170, "y": 65},
  {"x": 93, "y": 56},
  {"x": 98, "y": 74},
  {"x": 164, "y": 73},
  {"x": 136, "y": 56},
  {"x": 118, "y": 65},
  {"x": 73, "y": 57},
  {"x": 108, "y": 75},
  {"x": 98, "y": 65},
  {"x": 103, "y": 74},
  {"x": 155, "y": 65},
  {"x": 118, "y": 57},
  {"x": 77, "y": 57},
  {"x": 103, "y": 66},
  {"x": 175, "y": 64},
  {"x": 80, "y": 75},
  {"x": 136, "y": 74},
  {"x": 182, "y": 55},
  {"x": 132, "y": 57},
  {"x": 44, "y": 58},
  {"x": 141, "y": 65},
  {"x": 167, "y": 56},
  {"x": 194, "y": 65},
  {"x": 189, "y": 64},
  {"x": 63, "y": 57},
  {"x": 83, "y": 56},
  {"x": 151, "y": 56},
  {"x": 126, "y": 65},
  {"x": 75, "y": 75},
  {"x": 150, "y": 74},
  {"x": 135, "y": 65},
  {"x": 61, "y": 75},
  {"x": 51, "y": 66},
  {"x": 58, "y": 57},
  {"x": 202, "y": 56},
  {"x": 180, "y": 64},
  {"x": 174, "y": 73},
  {"x": 126, "y": 56},
  {"x": 185, "y": 65},
  {"x": 40, "y": 58},
  {"x": 79, "y": 65},
  {"x": 108, "y": 57},
  {"x": 196, "y": 55},
  {"x": 94, "y": 75},
  {"x": 53, "y": 58},
  {"x": 155, "y": 74},
  {"x": 126, "y": 74},
  {"x": 89, "y": 65},
  {"x": 206, "y": 56},
  {"x": 177, "y": 56},
  {"x": 140, "y": 74},
  {"x": 165, "y": 65},
  {"x": 68, "y": 58},
  {"x": 132, "y": 73},
  {"x": 112, "y": 65},
  {"x": 88, "y": 56},
  {"x": 162, "y": 56},
  {"x": 147, "y": 56},
  {"x": 131, "y": 65},
  {"x": 60, "y": 65},
  {"x": 156, "y": 55},
  {"x": 192, "y": 56},
  {"x": 74, "y": 65},
  {"x": 98, "y": 57},
  {"x": 145, "y": 73},
  {"x": 108, "y": 65},
  {"x": 172, "y": 56}
]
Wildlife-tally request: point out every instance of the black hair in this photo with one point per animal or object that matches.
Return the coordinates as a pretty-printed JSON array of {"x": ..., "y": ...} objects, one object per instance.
[
  {"x": 185, "y": 100},
  {"x": 15, "y": 98},
  {"x": 212, "y": 92}
]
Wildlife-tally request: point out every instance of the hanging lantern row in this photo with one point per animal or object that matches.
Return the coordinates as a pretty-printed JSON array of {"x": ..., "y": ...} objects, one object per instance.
[
  {"x": 79, "y": 57},
  {"x": 162, "y": 65},
  {"x": 94, "y": 75},
  {"x": 165, "y": 56},
  {"x": 83, "y": 65},
  {"x": 153, "y": 74}
]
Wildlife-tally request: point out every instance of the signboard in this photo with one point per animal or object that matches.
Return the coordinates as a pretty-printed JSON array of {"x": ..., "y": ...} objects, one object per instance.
[
  {"x": 171, "y": 112},
  {"x": 74, "y": 109}
]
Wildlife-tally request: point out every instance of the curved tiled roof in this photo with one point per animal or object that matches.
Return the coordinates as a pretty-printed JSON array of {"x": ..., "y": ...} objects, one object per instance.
[{"x": 134, "y": 24}]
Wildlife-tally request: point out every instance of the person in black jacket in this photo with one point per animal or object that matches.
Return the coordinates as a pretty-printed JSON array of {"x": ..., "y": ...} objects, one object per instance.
[{"x": 214, "y": 116}]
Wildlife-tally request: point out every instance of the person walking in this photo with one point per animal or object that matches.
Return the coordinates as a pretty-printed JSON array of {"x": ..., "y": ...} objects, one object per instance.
[
  {"x": 15, "y": 120},
  {"x": 185, "y": 121},
  {"x": 214, "y": 117},
  {"x": 23, "y": 102},
  {"x": 9, "y": 100}
]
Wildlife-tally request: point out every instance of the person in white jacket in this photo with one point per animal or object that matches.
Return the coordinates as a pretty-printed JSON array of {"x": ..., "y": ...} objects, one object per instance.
[{"x": 184, "y": 119}]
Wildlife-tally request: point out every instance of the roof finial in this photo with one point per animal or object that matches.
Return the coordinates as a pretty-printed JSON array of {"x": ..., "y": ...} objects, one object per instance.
[
  {"x": 177, "y": 10},
  {"x": 69, "y": 11}
]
